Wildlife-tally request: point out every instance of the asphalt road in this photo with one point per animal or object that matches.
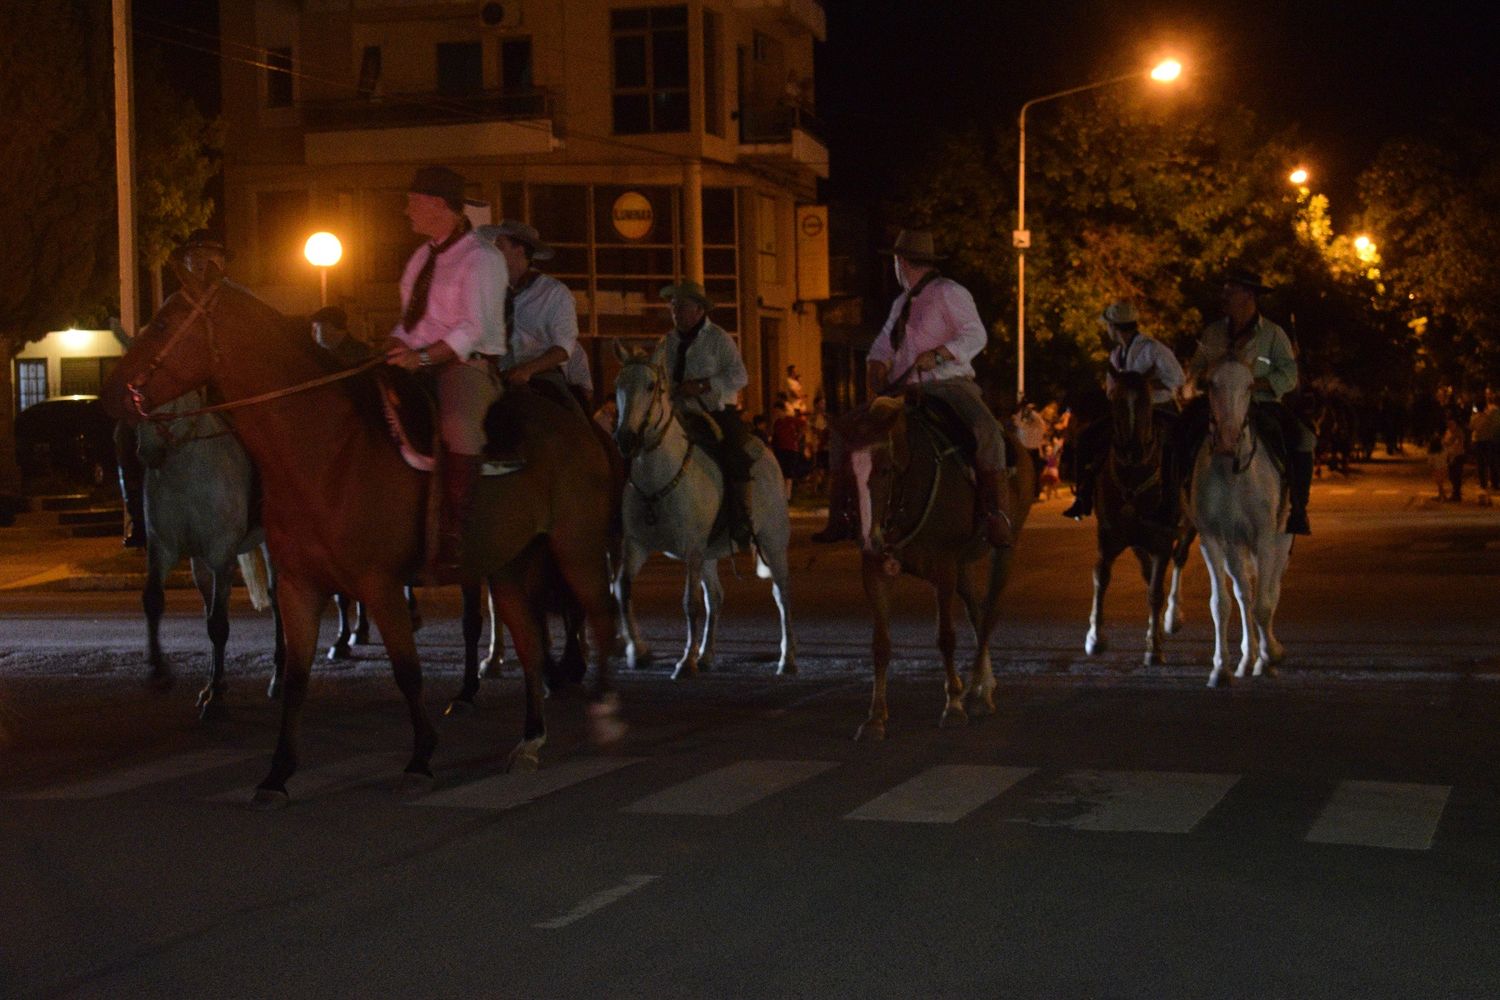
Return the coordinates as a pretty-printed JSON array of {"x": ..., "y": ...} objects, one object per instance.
[{"x": 1115, "y": 831}]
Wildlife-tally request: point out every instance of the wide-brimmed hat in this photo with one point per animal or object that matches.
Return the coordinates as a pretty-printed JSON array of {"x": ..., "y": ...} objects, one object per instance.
[
  {"x": 440, "y": 182},
  {"x": 915, "y": 245},
  {"x": 521, "y": 233},
  {"x": 1120, "y": 313},
  {"x": 203, "y": 239},
  {"x": 687, "y": 290},
  {"x": 1245, "y": 278}
]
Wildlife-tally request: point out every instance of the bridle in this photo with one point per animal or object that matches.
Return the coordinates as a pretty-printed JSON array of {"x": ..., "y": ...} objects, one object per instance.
[
  {"x": 657, "y": 405},
  {"x": 1245, "y": 431}
]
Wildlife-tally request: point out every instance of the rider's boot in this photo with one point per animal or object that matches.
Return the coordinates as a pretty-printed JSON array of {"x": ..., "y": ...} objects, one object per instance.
[
  {"x": 994, "y": 500},
  {"x": 1299, "y": 489},
  {"x": 1083, "y": 501},
  {"x": 460, "y": 472},
  {"x": 132, "y": 486},
  {"x": 842, "y": 520}
]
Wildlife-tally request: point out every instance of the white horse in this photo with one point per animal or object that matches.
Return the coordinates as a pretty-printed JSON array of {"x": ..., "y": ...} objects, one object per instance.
[
  {"x": 198, "y": 497},
  {"x": 1239, "y": 506},
  {"x": 671, "y": 502}
]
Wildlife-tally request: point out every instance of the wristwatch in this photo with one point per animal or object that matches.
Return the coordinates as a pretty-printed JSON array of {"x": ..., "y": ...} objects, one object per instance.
[{"x": 424, "y": 359}]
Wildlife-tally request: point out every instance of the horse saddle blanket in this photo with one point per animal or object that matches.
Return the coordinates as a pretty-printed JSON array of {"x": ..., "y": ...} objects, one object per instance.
[
  {"x": 944, "y": 421},
  {"x": 707, "y": 439},
  {"x": 410, "y": 413}
]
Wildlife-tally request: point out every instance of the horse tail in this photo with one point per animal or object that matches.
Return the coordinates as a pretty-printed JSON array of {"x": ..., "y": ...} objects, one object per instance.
[
  {"x": 257, "y": 579},
  {"x": 762, "y": 568}
]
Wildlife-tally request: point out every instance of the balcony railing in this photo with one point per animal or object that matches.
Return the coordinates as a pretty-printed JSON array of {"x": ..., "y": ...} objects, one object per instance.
[
  {"x": 773, "y": 123},
  {"x": 404, "y": 110}
]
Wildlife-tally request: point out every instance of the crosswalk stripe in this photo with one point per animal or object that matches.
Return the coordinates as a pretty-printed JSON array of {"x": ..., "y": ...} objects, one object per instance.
[
  {"x": 132, "y": 778},
  {"x": 1340, "y": 491},
  {"x": 1381, "y": 814},
  {"x": 943, "y": 794},
  {"x": 730, "y": 789},
  {"x": 1131, "y": 801},
  {"x": 506, "y": 791},
  {"x": 329, "y": 778}
]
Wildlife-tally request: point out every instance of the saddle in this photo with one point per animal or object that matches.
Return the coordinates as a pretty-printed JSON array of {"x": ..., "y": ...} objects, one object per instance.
[
  {"x": 951, "y": 430},
  {"x": 707, "y": 438}
]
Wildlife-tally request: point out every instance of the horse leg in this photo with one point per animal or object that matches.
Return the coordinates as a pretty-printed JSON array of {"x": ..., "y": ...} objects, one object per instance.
[
  {"x": 490, "y": 668},
  {"x": 980, "y": 697},
  {"x": 278, "y": 655},
  {"x": 472, "y": 624},
  {"x": 1213, "y": 561},
  {"x": 1154, "y": 568},
  {"x": 574, "y": 666},
  {"x": 154, "y": 603},
  {"x": 1093, "y": 642},
  {"x": 587, "y": 577},
  {"x": 878, "y": 590},
  {"x": 509, "y": 600},
  {"x": 713, "y": 604},
  {"x": 361, "y": 625},
  {"x": 387, "y": 608},
  {"x": 1173, "y": 618},
  {"x": 213, "y": 584},
  {"x": 944, "y": 585},
  {"x": 1242, "y": 575},
  {"x": 1268, "y": 594},
  {"x": 412, "y": 609},
  {"x": 340, "y": 648},
  {"x": 637, "y": 653},
  {"x": 773, "y": 554},
  {"x": 688, "y": 665},
  {"x": 301, "y": 608}
]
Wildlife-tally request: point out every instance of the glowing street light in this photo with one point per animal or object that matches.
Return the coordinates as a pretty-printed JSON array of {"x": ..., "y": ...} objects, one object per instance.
[
  {"x": 1165, "y": 71},
  {"x": 1364, "y": 248},
  {"x": 1298, "y": 176},
  {"x": 323, "y": 250}
]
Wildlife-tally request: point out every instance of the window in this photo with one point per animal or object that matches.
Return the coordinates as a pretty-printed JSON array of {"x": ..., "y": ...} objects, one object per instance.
[
  {"x": 460, "y": 68},
  {"x": 83, "y": 376},
  {"x": 713, "y": 93},
  {"x": 31, "y": 382},
  {"x": 369, "y": 71},
  {"x": 515, "y": 66},
  {"x": 279, "y": 78},
  {"x": 650, "y": 70},
  {"x": 280, "y": 229}
]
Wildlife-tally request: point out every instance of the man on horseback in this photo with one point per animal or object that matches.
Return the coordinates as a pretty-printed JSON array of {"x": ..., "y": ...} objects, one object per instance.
[
  {"x": 541, "y": 320},
  {"x": 1133, "y": 352},
  {"x": 204, "y": 256},
  {"x": 1267, "y": 351},
  {"x": 452, "y": 329},
  {"x": 705, "y": 375},
  {"x": 929, "y": 340}
]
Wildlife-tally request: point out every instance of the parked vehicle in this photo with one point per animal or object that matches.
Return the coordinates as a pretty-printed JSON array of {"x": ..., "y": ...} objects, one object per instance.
[{"x": 67, "y": 442}]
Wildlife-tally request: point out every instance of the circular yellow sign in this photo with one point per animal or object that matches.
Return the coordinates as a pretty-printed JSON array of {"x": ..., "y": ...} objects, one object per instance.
[{"x": 632, "y": 215}]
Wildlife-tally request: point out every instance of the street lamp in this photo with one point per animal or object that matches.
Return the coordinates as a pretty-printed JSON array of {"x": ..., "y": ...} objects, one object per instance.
[
  {"x": 323, "y": 250},
  {"x": 1364, "y": 248},
  {"x": 1298, "y": 176},
  {"x": 1163, "y": 72}
]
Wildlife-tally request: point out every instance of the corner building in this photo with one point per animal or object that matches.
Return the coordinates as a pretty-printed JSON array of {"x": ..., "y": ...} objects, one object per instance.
[{"x": 646, "y": 141}]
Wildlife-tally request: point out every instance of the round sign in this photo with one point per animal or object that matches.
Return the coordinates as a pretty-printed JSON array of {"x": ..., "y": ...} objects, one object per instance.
[
  {"x": 812, "y": 225},
  {"x": 632, "y": 215}
]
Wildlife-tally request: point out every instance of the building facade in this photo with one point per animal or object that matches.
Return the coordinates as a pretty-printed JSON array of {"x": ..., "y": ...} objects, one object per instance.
[{"x": 646, "y": 141}]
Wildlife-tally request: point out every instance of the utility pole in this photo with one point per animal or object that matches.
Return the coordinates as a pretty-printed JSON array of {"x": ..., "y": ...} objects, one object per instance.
[{"x": 125, "y": 167}]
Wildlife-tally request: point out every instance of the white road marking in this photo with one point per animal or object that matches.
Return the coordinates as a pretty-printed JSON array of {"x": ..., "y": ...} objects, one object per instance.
[
  {"x": 1132, "y": 801},
  {"x": 597, "y": 902},
  {"x": 943, "y": 794},
  {"x": 730, "y": 789},
  {"x": 1340, "y": 491},
  {"x": 132, "y": 778},
  {"x": 329, "y": 778},
  {"x": 506, "y": 791},
  {"x": 1381, "y": 814},
  {"x": 1385, "y": 492}
]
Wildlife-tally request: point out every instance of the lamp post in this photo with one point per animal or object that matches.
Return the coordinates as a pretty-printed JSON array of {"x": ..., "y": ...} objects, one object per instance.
[
  {"x": 1163, "y": 72},
  {"x": 323, "y": 250}
]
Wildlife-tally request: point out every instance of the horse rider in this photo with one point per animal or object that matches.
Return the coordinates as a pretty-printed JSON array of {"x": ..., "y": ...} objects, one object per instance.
[
  {"x": 930, "y": 339},
  {"x": 1266, "y": 349},
  {"x": 541, "y": 319},
  {"x": 705, "y": 375},
  {"x": 1133, "y": 351},
  {"x": 204, "y": 256},
  {"x": 452, "y": 331}
]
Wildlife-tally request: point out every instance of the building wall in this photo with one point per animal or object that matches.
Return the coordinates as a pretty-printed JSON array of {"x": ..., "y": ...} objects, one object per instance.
[
  {"x": 289, "y": 173},
  {"x": 76, "y": 361}
]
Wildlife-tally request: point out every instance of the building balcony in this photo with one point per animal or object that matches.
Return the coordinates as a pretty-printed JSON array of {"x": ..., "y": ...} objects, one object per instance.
[
  {"x": 805, "y": 15},
  {"x": 403, "y": 127},
  {"x": 785, "y": 135}
]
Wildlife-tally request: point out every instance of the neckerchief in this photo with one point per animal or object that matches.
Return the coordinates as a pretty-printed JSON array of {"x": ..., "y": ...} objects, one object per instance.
[
  {"x": 898, "y": 331},
  {"x": 416, "y": 306}
]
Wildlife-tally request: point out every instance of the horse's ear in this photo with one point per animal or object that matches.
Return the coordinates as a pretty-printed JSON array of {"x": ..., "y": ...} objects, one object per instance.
[{"x": 621, "y": 353}]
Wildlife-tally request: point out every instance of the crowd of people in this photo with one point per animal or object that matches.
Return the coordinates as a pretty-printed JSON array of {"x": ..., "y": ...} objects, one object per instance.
[{"x": 796, "y": 431}]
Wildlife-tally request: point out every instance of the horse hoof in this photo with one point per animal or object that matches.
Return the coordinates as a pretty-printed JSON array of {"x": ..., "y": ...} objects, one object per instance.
[
  {"x": 490, "y": 669},
  {"x": 1153, "y": 659},
  {"x": 267, "y": 799},
  {"x": 339, "y": 652},
  {"x": 981, "y": 705},
  {"x": 684, "y": 669},
  {"x": 273, "y": 691},
  {"x": 414, "y": 783},
  {"x": 870, "y": 732},
  {"x": 953, "y": 716},
  {"x": 461, "y": 706},
  {"x": 1092, "y": 647},
  {"x": 705, "y": 664},
  {"x": 1171, "y": 625},
  {"x": 522, "y": 761},
  {"x": 786, "y": 668}
]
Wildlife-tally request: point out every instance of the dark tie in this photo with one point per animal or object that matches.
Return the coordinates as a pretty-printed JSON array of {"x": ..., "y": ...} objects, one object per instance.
[
  {"x": 416, "y": 306},
  {"x": 898, "y": 332}
]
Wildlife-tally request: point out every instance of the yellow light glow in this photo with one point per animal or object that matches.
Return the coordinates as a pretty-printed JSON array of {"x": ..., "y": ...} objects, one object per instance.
[
  {"x": 323, "y": 250},
  {"x": 1298, "y": 176},
  {"x": 1166, "y": 71},
  {"x": 1364, "y": 248},
  {"x": 76, "y": 340}
]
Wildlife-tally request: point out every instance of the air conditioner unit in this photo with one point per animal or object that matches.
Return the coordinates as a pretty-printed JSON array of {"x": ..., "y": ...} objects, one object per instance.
[{"x": 500, "y": 15}]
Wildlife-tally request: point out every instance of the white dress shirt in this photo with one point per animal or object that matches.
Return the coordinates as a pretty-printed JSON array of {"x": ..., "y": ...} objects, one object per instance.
[
  {"x": 544, "y": 317},
  {"x": 576, "y": 371},
  {"x": 943, "y": 315},
  {"x": 1151, "y": 358},
  {"x": 711, "y": 356},
  {"x": 466, "y": 302}
]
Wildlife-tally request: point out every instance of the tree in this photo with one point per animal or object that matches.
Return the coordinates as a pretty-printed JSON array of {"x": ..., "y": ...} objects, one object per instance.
[{"x": 56, "y": 157}]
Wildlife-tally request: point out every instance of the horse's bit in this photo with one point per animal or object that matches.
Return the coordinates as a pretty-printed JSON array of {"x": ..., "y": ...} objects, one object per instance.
[{"x": 658, "y": 393}]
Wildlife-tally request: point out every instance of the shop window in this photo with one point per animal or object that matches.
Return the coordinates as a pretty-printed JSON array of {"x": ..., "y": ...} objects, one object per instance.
[
  {"x": 31, "y": 382},
  {"x": 460, "y": 68},
  {"x": 515, "y": 66},
  {"x": 650, "y": 47},
  {"x": 713, "y": 72},
  {"x": 83, "y": 376}
]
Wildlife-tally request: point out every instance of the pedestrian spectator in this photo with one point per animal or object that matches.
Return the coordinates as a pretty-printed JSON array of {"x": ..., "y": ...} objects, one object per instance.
[
  {"x": 817, "y": 443},
  {"x": 1484, "y": 433},
  {"x": 1437, "y": 464},
  {"x": 1050, "y": 476},
  {"x": 1031, "y": 431},
  {"x": 1454, "y": 452},
  {"x": 796, "y": 397},
  {"x": 787, "y": 431},
  {"x": 760, "y": 426}
]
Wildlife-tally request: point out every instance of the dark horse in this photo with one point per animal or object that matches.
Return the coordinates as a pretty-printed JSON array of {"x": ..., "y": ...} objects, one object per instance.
[
  {"x": 345, "y": 513},
  {"x": 1129, "y": 503},
  {"x": 918, "y": 516}
]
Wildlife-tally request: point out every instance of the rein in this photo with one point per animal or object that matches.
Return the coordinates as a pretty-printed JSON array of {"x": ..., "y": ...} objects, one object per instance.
[
  {"x": 941, "y": 450},
  {"x": 1245, "y": 431},
  {"x": 661, "y": 426}
]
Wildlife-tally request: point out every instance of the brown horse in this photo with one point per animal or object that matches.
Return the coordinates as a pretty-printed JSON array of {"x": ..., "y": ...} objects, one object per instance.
[
  {"x": 918, "y": 516},
  {"x": 1128, "y": 504},
  {"x": 345, "y": 513}
]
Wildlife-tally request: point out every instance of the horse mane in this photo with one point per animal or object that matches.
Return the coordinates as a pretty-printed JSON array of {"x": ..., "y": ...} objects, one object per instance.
[{"x": 870, "y": 424}]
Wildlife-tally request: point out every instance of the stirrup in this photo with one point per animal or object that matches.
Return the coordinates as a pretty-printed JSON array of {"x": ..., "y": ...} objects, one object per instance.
[{"x": 500, "y": 466}]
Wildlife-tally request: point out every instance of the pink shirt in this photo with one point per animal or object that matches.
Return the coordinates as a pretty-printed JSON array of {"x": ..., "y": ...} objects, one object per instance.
[{"x": 944, "y": 315}]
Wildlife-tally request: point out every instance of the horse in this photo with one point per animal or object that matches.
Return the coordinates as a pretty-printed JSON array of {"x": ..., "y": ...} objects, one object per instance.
[
  {"x": 354, "y": 623},
  {"x": 1336, "y": 426},
  {"x": 1127, "y": 506},
  {"x": 1238, "y": 503},
  {"x": 345, "y": 512},
  {"x": 917, "y": 505},
  {"x": 199, "y": 504},
  {"x": 672, "y": 505}
]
